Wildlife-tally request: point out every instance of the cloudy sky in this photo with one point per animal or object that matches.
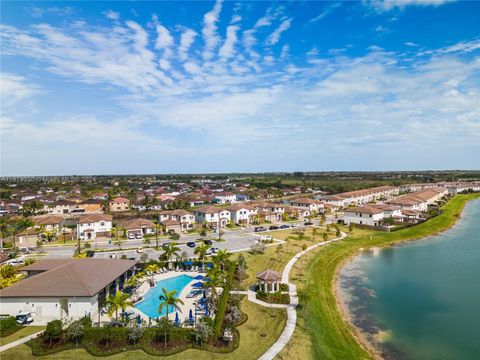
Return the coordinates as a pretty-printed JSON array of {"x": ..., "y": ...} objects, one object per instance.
[{"x": 187, "y": 87}]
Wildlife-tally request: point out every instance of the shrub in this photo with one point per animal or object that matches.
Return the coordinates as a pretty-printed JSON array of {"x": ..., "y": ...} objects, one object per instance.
[
  {"x": 54, "y": 331},
  {"x": 86, "y": 322},
  {"x": 8, "y": 326},
  {"x": 134, "y": 333},
  {"x": 75, "y": 331},
  {"x": 202, "y": 332}
]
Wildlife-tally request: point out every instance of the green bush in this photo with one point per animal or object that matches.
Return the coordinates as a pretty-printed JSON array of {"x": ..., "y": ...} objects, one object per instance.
[
  {"x": 8, "y": 326},
  {"x": 54, "y": 331}
]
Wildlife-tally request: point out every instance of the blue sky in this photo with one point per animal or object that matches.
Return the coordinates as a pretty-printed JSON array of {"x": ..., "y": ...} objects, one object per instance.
[{"x": 187, "y": 87}]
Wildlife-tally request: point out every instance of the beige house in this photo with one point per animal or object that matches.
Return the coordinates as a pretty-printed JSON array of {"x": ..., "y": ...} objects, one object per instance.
[{"x": 119, "y": 204}]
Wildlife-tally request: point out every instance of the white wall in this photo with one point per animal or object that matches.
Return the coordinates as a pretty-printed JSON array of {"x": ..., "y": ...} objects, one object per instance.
[{"x": 360, "y": 218}]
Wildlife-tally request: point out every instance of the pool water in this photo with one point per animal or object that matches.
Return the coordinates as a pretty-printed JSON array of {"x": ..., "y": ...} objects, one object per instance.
[{"x": 150, "y": 303}]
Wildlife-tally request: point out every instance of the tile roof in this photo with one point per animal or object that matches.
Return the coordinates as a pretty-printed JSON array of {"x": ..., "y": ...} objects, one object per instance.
[{"x": 269, "y": 275}]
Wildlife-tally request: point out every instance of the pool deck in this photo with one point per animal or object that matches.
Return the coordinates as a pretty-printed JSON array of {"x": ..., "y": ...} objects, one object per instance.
[{"x": 188, "y": 302}]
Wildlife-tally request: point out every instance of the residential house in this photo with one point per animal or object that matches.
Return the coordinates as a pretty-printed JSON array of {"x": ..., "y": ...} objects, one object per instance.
[
  {"x": 66, "y": 289},
  {"x": 296, "y": 213},
  {"x": 363, "y": 196},
  {"x": 363, "y": 215},
  {"x": 92, "y": 226},
  {"x": 185, "y": 218},
  {"x": 171, "y": 225},
  {"x": 139, "y": 226},
  {"x": 60, "y": 207},
  {"x": 313, "y": 206},
  {"x": 119, "y": 204},
  {"x": 419, "y": 200},
  {"x": 90, "y": 206},
  {"x": 225, "y": 197},
  {"x": 213, "y": 216},
  {"x": 269, "y": 211},
  {"x": 241, "y": 214}
]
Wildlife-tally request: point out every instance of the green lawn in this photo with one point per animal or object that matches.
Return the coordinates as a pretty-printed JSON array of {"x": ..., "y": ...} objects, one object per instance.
[
  {"x": 321, "y": 332},
  {"x": 262, "y": 328},
  {"x": 25, "y": 331}
]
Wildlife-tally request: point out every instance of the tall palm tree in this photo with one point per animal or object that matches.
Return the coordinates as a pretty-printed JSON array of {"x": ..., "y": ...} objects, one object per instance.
[
  {"x": 201, "y": 250},
  {"x": 171, "y": 250},
  {"x": 222, "y": 258},
  {"x": 116, "y": 302},
  {"x": 214, "y": 279},
  {"x": 158, "y": 228},
  {"x": 152, "y": 268},
  {"x": 168, "y": 299}
]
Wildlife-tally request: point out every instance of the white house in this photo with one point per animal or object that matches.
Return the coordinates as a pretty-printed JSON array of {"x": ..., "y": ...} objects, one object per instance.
[
  {"x": 313, "y": 206},
  {"x": 225, "y": 197},
  {"x": 363, "y": 215},
  {"x": 363, "y": 196},
  {"x": 65, "y": 289},
  {"x": 61, "y": 207},
  {"x": 185, "y": 218},
  {"x": 241, "y": 214},
  {"x": 91, "y": 226},
  {"x": 212, "y": 215},
  {"x": 419, "y": 200}
]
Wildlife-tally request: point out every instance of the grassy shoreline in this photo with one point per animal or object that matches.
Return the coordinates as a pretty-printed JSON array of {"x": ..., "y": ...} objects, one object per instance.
[{"x": 331, "y": 336}]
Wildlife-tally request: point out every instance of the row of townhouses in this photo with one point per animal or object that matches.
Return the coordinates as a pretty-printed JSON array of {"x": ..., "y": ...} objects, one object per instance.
[
  {"x": 407, "y": 207},
  {"x": 359, "y": 197}
]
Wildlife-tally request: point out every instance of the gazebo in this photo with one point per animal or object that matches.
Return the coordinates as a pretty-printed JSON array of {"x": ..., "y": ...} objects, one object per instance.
[{"x": 269, "y": 280}]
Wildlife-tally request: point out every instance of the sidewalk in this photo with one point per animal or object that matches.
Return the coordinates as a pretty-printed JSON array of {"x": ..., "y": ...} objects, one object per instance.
[{"x": 19, "y": 341}]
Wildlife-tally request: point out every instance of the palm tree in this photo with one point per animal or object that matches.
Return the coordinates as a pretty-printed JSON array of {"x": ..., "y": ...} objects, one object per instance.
[
  {"x": 213, "y": 280},
  {"x": 153, "y": 268},
  {"x": 222, "y": 258},
  {"x": 158, "y": 227},
  {"x": 171, "y": 250},
  {"x": 116, "y": 302},
  {"x": 201, "y": 250},
  {"x": 169, "y": 299}
]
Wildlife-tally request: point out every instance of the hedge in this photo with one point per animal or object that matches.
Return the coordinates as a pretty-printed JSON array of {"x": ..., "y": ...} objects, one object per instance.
[{"x": 223, "y": 302}]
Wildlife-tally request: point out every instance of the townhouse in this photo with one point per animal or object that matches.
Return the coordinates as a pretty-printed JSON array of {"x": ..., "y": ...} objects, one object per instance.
[
  {"x": 241, "y": 214},
  {"x": 225, "y": 197},
  {"x": 419, "y": 200},
  {"x": 363, "y": 196},
  {"x": 92, "y": 226},
  {"x": 91, "y": 206},
  {"x": 363, "y": 215},
  {"x": 139, "y": 226},
  {"x": 182, "y": 220},
  {"x": 269, "y": 211},
  {"x": 60, "y": 207},
  {"x": 119, "y": 204},
  {"x": 212, "y": 216},
  {"x": 313, "y": 206}
]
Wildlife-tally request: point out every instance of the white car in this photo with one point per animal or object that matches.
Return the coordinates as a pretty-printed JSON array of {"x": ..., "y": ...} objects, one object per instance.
[
  {"x": 17, "y": 261},
  {"x": 131, "y": 236},
  {"x": 214, "y": 250},
  {"x": 209, "y": 251}
]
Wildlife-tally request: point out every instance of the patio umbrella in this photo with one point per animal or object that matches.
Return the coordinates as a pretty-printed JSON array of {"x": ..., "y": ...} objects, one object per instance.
[
  {"x": 190, "y": 315},
  {"x": 188, "y": 263},
  {"x": 207, "y": 311},
  {"x": 204, "y": 294},
  {"x": 177, "y": 319},
  {"x": 198, "y": 284},
  {"x": 210, "y": 265},
  {"x": 139, "y": 320},
  {"x": 198, "y": 277}
]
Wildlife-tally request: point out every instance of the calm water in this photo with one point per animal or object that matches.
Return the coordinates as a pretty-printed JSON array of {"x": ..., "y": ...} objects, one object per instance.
[
  {"x": 421, "y": 300},
  {"x": 150, "y": 303}
]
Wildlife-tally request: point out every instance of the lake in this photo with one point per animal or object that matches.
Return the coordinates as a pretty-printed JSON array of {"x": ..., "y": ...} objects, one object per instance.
[{"x": 420, "y": 300}]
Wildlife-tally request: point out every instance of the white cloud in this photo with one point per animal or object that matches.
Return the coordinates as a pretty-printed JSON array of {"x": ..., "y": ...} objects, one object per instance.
[
  {"x": 387, "y": 5},
  {"x": 326, "y": 11},
  {"x": 112, "y": 15},
  {"x": 227, "y": 49},
  {"x": 209, "y": 30},
  {"x": 274, "y": 37},
  {"x": 164, "y": 39},
  {"x": 186, "y": 40}
]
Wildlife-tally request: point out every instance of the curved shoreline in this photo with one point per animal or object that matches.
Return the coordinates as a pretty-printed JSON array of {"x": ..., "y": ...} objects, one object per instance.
[{"x": 343, "y": 308}]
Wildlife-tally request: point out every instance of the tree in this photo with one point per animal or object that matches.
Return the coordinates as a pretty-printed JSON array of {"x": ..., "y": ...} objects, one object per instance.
[
  {"x": 234, "y": 315},
  {"x": 325, "y": 236},
  {"x": 314, "y": 233},
  {"x": 350, "y": 228},
  {"x": 201, "y": 251},
  {"x": 134, "y": 333},
  {"x": 213, "y": 280},
  {"x": 75, "y": 331},
  {"x": 158, "y": 228},
  {"x": 202, "y": 332},
  {"x": 53, "y": 330},
  {"x": 222, "y": 258},
  {"x": 164, "y": 327},
  {"x": 174, "y": 236},
  {"x": 338, "y": 232},
  {"x": 171, "y": 250},
  {"x": 152, "y": 268},
  {"x": 8, "y": 271},
  {"x": 117, "y": 302},
  {"x": 146, "y": 241},
  {"x": 323, "y": 219},
  {"x": 168, "y": 299}
]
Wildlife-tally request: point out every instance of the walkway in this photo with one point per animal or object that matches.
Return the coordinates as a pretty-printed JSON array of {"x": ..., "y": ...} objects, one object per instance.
[
  {"x": 19, "y": 341},
  {"x": 291, "y": 308}
]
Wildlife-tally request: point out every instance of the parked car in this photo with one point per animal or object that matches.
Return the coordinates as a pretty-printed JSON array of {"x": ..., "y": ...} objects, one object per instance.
[
  {"x": 191, "y": 244},
  {"x": 207, "y": 242},
  {"x": 16, "y": 261},
  {"x": 284, "y": 226},
  {"x": 308, "y": 223},
  {"x": 266, "y": 238},
  {"x": 165, "y": 246},
  {"x": 24, "y": 318},
  {"x": 214, "y": 250},
  {"x": 274, "y": 227},
  {"x": 138, "y": 236},
  {"x": 260, "y": 228},
  {"x": 131, "y": 236},
  {"x": 208, "y": 252}
]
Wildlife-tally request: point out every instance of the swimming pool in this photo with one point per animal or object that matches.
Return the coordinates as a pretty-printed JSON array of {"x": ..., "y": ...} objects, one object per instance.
[{"x": 149, "y": 304}]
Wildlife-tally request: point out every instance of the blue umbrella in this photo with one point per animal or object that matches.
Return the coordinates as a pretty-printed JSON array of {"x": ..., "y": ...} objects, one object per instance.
[
  {"x": 188, "y": 263},
  {"x": 177, "y": 319},
  {"x": 207, "y": 311},
  {"x": 190, "y": 315},
  {"x": 198, "y": 277},
  {"x": 198, "y": 284},
  {"x": 210, "y": 265},
  {"x": 139, "y": 320},
  {"x": 204, "y": 294}
]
